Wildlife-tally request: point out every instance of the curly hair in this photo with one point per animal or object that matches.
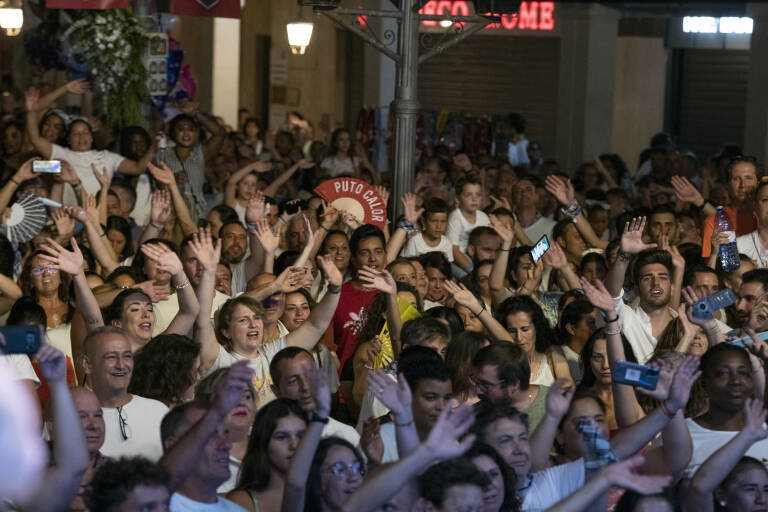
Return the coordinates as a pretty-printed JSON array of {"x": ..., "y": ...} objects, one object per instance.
[
  {"x": 508, "y": 476},
  {"x": 116, "y": 479},
  {"x": 163, "y": 368}
]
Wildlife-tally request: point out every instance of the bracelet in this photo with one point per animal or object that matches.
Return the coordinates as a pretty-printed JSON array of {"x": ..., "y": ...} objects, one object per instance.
[
  {"x": 13, "y": 180},
  {"x": 406, "y": 226},
  {"x": 572, "y": 210},
  {"x": 408, "y": 424},
  {"x": 666, "y": 410},
  {"x": 607, "y": 321},
  {"x": 624, "y": 256},
  {"x": 506, "y": 250},
  {"x": 477, "y": 315},
  {"x": 333, "y": 288},
  {"x": 612, "y": 333},
  {"x": 316, "y": 418},
  {"x": 182, "y": 286}
]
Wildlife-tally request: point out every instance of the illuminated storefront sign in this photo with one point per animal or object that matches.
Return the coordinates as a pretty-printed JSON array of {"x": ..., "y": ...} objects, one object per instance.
[
  {"x": 710, "y": 25},
  {"x": 531, "y": 16}
]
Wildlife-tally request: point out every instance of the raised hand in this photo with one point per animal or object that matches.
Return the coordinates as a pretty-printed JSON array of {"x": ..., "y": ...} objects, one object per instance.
[
  {"x": 154, "y": 292},
  {"x": 380, "y": 280},
  {"x": 383, "y": 193},
  {"x": 463, "y": 296},
  {"x": 555, "y": 257},
  {"x": 754, "y": 420},
  {"x": 162, "y": 174},
  {"x": 499, "y": 202},
  {"x": 160, "y": 211},
  {"x": 305, "y": 164},
  {"x": 76, "y": 212},
  {"x": 598, "y": 296},
  {"x": 256, "y": 207},
  {"x": 78, "y": 86},
  {"x": 25, "y": 170},
  {"x": 290, "y": 279},
  {"x": 632, "y": 238},
  {"x": 395, "y": 395},
  {"x": 686, "y": 375},
  {"x": 690, "y": 296},
  {"x": 330, "y": 270},
  {"x": 206, "y": 252},
  {"x": 330, "y": 216},
  {"x": 622, "y": 474},
  {"x": 102, "y": 177},
  {"x": 758, "y": 347},
  {"x": 664, "y": 384},
  {"x": 65, "y": 225},
  {"x": 685, "y": 191},
  {"x": 559, "y": 398},
  {"x": 373, "y": 349},
  {"x": 506, "y": 233},
  {"x": 412, "y": 213},
  {"x": 443, "y": 440},
  {"x": 268, "y": 240},
  {"x": 229, "y": 389},
  {"x": 53, "y": 363},
  {"x": 677, "y": 259},
  {"x": 166, "y": 259},
  {"x": 371, "y": 442},
  {"x": 32, "y": 99},
  {"x": 68, "y": 173},
  {"x": 318, "y": 388},
  {"x": 532, "y": 280},
  {"x": 92, "y": 208},
  {"x": 58, "y": 257},
  {"x": 561, "y": 188}
]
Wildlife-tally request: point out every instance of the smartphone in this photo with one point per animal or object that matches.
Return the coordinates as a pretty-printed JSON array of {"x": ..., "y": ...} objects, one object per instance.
[
  {"x": 291, "y": 207},
  {"x": 746, "y": 340},
  {"x": 47, "y": 166},
  {"x": 540, "y": 248},
  {"x": 634, "y": 374},
  {"x": 21, "y": 339}
]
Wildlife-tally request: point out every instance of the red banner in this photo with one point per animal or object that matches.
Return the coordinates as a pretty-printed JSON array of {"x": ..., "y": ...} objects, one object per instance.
[
  {"x": 87, "y": 4},
  {"x": 209, "y": 8}
]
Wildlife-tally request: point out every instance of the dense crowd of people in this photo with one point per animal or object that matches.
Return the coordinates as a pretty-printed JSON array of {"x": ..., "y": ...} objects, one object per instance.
[{"x": 218, "y": 337}]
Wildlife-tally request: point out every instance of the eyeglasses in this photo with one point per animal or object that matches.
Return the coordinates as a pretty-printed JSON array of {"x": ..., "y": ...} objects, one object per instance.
[
  {"x": 485, "y": 386},
  {"x": 125, "y": 429},
  {"x": 41, "y": 270},
  {"x": 340, "y": 468}
]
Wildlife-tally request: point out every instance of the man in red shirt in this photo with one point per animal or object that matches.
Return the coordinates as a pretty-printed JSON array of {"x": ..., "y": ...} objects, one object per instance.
[
  {"x": 367, "y": 245},
  {"x": 742, "y": 181}
]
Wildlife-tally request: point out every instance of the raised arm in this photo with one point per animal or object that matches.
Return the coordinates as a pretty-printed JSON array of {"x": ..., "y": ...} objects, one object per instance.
[
  {"x": 620, "y": 474},
  {"x": 308, "y": 248},
  {"x": 467, "y": 299},
  {"x": 278, "y": 182},
  {"x": 444, "y": 442},
  {"x": 298, "y": 472},
  {"x": 558, "y": 401},
  {"x": 10, "y": 187},
  {"x": 62, "y": 479},
  {"x": 555, "y": 258},
  {"x": 712, "y": 331},
  {"x": 563, "y": 191},
  {"x": 189, "y": 308},
  {"x": 254, "y": 212},
  {"x": 208, "y": 255},
  {"x": 716, "y": 468},
  {"x": 103, "y": 179},
  {"x": 631, "y": 243},
  {"x": 181, "y": 457},
  {"x": 499, "y": 268},
  {"x": 412, "y": 215},
  {"x": 42, "y": 145},
  {"x": 230, "y": 191},
  {"x": 159, "y": 214},
  {"x": 310, "y": 332},
  {"x": 269, "y": 242},
  {"x": 138, "y": 167},
  {"x": 678, "y": 269},
  {"x": 383, "y": 281},
  {"x": 165, "y": 176},
  {"x": 102, "y": 251},
  {"x": 396, "y": 396},
  {"x": 687, "y": 193}
]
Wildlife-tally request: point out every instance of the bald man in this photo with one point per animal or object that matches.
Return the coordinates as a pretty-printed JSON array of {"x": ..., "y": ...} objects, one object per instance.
[{"x": 92, "y": 422}]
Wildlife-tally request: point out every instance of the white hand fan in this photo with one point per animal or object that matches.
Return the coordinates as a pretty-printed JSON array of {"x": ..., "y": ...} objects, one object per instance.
[{"x": 26, "y": 220}]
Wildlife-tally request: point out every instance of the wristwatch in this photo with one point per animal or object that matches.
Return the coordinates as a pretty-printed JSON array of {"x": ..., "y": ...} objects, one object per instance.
[{"x": 314, "y": 417}]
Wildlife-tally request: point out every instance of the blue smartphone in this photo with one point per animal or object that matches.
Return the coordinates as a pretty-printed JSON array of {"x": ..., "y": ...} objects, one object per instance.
[
  {"x": 634, "y": 374},
  {"x": 540, "y": 248},
  {"x": 21, "y": 339},
  {"x": 746, "y": 340}
]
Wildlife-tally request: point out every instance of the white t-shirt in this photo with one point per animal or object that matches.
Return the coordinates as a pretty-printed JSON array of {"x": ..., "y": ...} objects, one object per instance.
[
  {"x": 459, "y": 227},
  {"x": 166, "y": 310},
  {"x": 416, "y": 246},
  {"x": 234, "y": 473},
  {"x": 518, "y": 152},
  {"x": 389, "y": 438},
  {"x": 181, "y": 503},
  {"x": 81, "y": 161},
  {"x": 552, "y": 485},
  {"x": 142, "y": 418},
  {"x": 337, "y": 166},
  {"x": 542, "y": 226},
  {"x": 260, "y": 365},
  {"x": 335, "y": 428},
  {"x": 706, "y": 442},
  {"x": 19, "y": 367},
  {"x": 750, "y": 245},
  {"x": 143, "y": 208}
]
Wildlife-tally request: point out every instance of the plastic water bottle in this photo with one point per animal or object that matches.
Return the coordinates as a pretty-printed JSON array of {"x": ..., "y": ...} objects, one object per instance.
[
  {"x": 162, "y": 148},
  {"x": 704, "y": 308},
  {"x": 728, "y": 253}
]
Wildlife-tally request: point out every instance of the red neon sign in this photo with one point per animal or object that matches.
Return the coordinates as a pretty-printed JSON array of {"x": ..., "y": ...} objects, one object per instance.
[{"x": 532, "y": 15}]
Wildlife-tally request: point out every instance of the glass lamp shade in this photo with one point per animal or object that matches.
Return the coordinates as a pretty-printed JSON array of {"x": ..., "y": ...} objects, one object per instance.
[
  {"x": 299, "y": 35},
  {"x": 11, "y": 20}
]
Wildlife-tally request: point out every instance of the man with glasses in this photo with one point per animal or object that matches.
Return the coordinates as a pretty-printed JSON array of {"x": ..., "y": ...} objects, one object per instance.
[
  {"x": 501, "y": 377},
  {"x": 132, "y": 423}
]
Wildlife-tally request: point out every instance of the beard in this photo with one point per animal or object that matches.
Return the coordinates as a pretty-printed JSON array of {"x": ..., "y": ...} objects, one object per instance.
[{"x": 232, "y": 256}]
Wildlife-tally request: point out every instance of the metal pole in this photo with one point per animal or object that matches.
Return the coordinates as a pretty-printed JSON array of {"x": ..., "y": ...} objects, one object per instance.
[{"x": 405, "y": 107}]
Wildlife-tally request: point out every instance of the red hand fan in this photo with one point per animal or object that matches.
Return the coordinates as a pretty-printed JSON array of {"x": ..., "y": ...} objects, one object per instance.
[{"x": 355, "y": 197}]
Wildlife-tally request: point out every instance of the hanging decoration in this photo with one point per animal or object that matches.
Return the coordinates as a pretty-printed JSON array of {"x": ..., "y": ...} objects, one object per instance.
[
  {"x": 208, "y": 8},
  {"x": 109, "y": 45}
]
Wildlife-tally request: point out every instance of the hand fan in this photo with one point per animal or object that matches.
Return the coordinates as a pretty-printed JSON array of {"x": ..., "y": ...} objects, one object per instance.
[
  {"x": 26, "y": 220},
  {"x": 356, "y": 197}
]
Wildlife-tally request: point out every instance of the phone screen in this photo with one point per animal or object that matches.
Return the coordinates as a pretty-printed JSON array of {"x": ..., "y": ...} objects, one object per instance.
[
  {"x": 540, "y": 248},
  {"x": 47, "y": 166}
]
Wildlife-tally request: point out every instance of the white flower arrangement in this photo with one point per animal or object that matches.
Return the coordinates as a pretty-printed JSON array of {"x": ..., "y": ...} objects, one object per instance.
[{"x": 109, "y": 44}]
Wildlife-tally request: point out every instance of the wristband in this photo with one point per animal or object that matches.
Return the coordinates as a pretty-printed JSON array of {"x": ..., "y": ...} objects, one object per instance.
[
  {"x": 612, "y": 333},
  {"x": 406, "y": 225},
  {"x": 407, "y": 424},
  {"x": 572, "y": 210},
  {"x": 666, "y": 410},
  {"x": 607, "y": 321},
  {"x": 13, "y": 180},
  {"x": 181, "y": 286},
  {"x": 477, "y": 315},
  {"x": 316, "y": 418},
  {"x": 333, "y": 288}
]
